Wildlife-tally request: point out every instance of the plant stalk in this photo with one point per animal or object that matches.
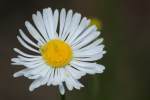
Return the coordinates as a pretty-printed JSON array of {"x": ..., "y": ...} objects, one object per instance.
[{"x": 63, "y": 97}]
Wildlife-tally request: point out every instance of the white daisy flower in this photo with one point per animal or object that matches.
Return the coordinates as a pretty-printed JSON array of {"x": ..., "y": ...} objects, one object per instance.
[{"x": 65, "y": 48}]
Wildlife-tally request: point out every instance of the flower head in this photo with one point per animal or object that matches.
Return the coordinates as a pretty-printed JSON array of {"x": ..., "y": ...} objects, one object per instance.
[
  {"x": 64, "y": 48},
  {"x": 97, "y": 22}
]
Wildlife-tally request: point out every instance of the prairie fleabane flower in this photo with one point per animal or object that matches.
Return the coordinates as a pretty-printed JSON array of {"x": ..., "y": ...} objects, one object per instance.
[
  {"x": 65, "y": 48},
  {"x": 97, "y": 22}
]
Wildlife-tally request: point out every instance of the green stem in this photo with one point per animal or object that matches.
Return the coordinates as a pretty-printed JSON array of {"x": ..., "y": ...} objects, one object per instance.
[{"x": 63, "y": 97}]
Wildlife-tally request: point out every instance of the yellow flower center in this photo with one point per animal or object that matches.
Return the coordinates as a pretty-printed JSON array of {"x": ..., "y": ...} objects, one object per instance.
[{"x": 56, "y": 53}]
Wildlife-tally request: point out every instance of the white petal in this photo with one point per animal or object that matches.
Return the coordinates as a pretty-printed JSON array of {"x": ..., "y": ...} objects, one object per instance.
[
  {"x": 87, "y": 40},
  {"x": 26, "y": 45},
  {"x": 22, "y": 53},
  {"x": 56, "y": 15},
  {"x": 29, "y": 64},
  {"x": 100, "y": 68},
  {"x": 93, "y": 44},
  {"x": 33, "y": 64},
  {"x": 29, "y": 59},
  {"x": 34, "y": 33},
  {"x": 47, "y": 24},
  {"x": 91, "y": 68},
  {"x": 44, "y": 72},
  {"x": 38, "y": 20},
  {"x": 62, "y": 21},
  {"x": 51, "y": 22},
  {"x": 90, "y": 52},
  {"x": 83, "y": 64},
  {"x": 27, "y": 39},
  {"x": 41, "y": 70},
  {"x": 84, "y": 23},
  {"x": 51, "y": 78},
  {"x": 84, "y": 34},
  {"x": 56, "y": 79},
  {"x": 92, "y": 58},
  {"x": 62, "y": 89},
  {"x": 73, "y": 27},
  {"x": 85, "y": 67},
  {"x": 62, "y": 74},
  {"x": 35, "y": 84},
  {"x": 46, "y": 77},
  {"x": 15, "y": 63},
  {"x": 70, "y": 83},
  {"x": 40, "y": 81},
  {"x": 76, "y": 74},
  {"x": 89, "y": 71},
  {"x": 67, "y": 25},
  {"x": 34, "y": 77},
  {"x": 20, "y": 73},
  {"x": 15, "y": 60}
]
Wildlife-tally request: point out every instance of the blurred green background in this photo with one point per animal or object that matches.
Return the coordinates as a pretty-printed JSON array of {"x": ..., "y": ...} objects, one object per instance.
[{"x": 126, "y": 30}]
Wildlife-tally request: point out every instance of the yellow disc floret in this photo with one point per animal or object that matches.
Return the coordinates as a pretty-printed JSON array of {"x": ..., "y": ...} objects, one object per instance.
[{"x": 56, "y": 53}]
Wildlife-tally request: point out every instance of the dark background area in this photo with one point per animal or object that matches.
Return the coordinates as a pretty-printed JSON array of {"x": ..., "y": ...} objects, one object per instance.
[{"x": 126, "y": 30}]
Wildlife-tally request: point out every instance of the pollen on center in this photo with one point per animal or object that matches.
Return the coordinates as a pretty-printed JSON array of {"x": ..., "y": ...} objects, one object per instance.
[{"x": 56, "y": 53}]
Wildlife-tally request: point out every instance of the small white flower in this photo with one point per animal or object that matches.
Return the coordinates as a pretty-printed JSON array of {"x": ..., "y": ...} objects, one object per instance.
[{"x": 65, "y": 48}]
